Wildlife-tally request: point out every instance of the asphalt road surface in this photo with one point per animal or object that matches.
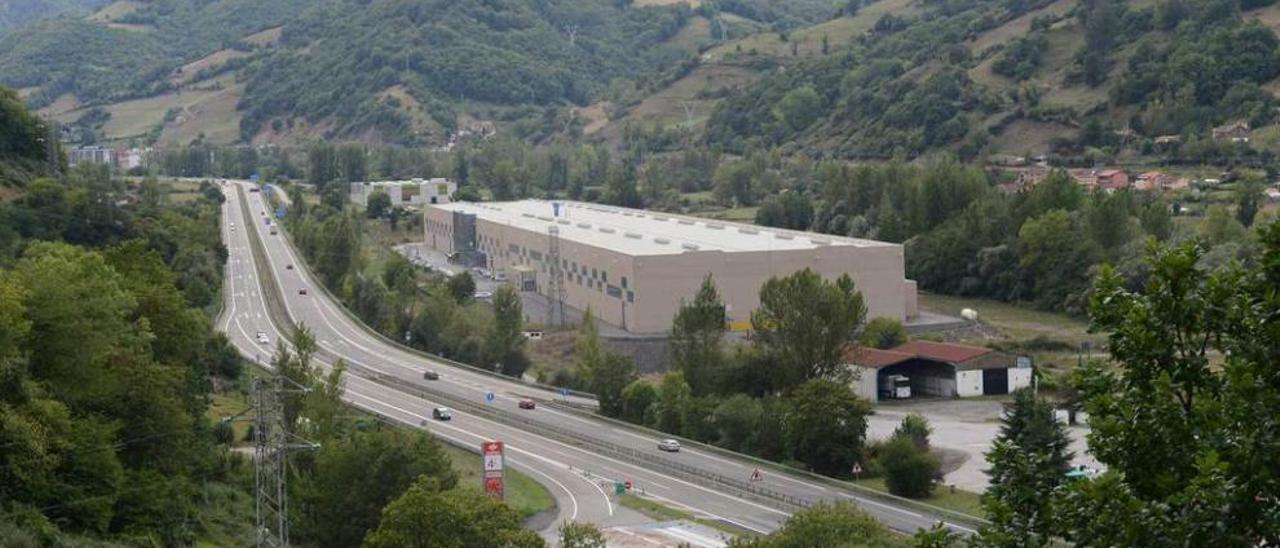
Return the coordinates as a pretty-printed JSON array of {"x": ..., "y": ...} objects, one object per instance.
[{"x": 576, "y": 475}]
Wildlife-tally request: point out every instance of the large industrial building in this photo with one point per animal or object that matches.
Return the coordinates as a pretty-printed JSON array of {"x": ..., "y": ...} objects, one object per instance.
[{"x": 633, "y": 267}]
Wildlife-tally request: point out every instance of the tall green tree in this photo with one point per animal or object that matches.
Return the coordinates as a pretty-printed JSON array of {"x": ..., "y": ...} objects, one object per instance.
[
  {"x": 1029, "y": 460},
  {"x": 507, "y": 340},
  {"x": 674, "y": 399},
  {"x": 804, "y": 323},
  {"x": 827, "y": 425},
  {"x": 697, "y": 339},
  {"x": 1189, "y": 444}
]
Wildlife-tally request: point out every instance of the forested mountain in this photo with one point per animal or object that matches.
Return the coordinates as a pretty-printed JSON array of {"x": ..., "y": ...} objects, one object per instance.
[
  {"x": 1025, "y": 76},
  {"x": 15, "y": 13}
]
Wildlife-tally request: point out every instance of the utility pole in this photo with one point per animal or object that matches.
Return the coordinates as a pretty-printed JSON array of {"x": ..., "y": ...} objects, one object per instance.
[
  {"x": 555, "y": 291},
  {"x": 271, "y": 437}
]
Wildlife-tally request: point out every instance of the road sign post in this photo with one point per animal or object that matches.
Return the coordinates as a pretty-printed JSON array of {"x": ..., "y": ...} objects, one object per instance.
[
  {"x": 493, "y": 468},
  {"x": 564, "y": 394},
  {"x": 857, "y": 471},
  {"x": 489, "y": 396}
]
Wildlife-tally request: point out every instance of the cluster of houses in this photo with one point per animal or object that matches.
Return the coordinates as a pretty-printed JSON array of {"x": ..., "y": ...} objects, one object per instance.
[
  {"x": 1106, "y": 179},
  {"x": 120, "y": 158},
  {"x": 412, "y": 192}
]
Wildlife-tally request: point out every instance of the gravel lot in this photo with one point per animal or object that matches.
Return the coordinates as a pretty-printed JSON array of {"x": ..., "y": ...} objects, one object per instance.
[{"x": 963, "y": 430}]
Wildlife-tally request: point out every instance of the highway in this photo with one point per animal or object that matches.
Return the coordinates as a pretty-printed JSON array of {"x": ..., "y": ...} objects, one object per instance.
[{"x": 572, "y": 454}]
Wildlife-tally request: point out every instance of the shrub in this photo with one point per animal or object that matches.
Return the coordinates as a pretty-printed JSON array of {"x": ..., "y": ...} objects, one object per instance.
[
  {"x": 916, "y": 428},
  {"x": 883, "y": 333},
  {"x": 908, "y": 470}
]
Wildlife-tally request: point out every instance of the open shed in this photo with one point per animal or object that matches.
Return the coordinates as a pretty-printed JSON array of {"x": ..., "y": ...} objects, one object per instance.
[{"x": 937, "y": 370}]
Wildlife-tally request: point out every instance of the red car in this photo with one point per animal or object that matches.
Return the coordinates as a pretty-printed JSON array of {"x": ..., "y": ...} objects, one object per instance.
[{"x": 527, "y": 404}]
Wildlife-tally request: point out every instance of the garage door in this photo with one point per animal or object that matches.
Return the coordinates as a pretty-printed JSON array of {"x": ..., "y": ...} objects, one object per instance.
[{"x": 995, "y": 381}]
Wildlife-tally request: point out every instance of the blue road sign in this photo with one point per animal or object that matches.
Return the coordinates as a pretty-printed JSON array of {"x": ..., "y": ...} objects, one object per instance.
[
  {"x": 280, "y": 212},
  {"x": 254, "y": 177},
  {"x": 488, "y": 396},
  {"x": 564, "y": 392}
]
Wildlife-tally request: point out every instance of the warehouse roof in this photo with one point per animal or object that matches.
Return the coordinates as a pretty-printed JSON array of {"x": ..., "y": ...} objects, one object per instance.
[
  {"x": 943, "y": 352},
  {"x": 639, "y": 232}
]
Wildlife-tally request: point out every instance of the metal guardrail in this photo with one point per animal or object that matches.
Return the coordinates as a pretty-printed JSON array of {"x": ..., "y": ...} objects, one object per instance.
[
  {"x": 853, "y": 488},
  {"x": 288, "y": 240},
  {"x": 630, "y": 455}
]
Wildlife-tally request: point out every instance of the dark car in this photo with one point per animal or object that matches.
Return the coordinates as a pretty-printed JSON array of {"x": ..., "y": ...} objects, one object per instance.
[
  {"x": 527, "y": 404},
  {"x": 441, "y": 414},
  {"x": 288, "y": 266},
  {"x": 302, "y": 291},
  {"x": 430, "y": 375}
]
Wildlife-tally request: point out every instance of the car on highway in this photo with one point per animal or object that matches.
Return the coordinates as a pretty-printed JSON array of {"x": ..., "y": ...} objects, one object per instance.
[
  {"x": 430, "y": 375},
  {"x": 527, "y": 404},
  {"x": 441, "y": 414},
  {"x": 302, "y": 291},
  {"x": 288, "y": 266},
  {"x": 484, "y": 294},
  {"x": 262, "y": 338},
  {"x": 669, "y": 445}
]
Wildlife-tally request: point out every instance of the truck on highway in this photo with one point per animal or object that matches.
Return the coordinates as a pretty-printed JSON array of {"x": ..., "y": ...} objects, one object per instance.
[{"x": 895, "y": 387}]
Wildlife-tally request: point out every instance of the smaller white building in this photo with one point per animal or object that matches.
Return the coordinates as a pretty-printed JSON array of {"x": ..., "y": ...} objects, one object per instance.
[
  {"x": 413, "y": 192},
  {"x": 933, "y": 369}
]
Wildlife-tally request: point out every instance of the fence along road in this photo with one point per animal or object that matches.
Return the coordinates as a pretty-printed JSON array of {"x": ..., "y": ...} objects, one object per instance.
[{"x": 702, "y": 477}]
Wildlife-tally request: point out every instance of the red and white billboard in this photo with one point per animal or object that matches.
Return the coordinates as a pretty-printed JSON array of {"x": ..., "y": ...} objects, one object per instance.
[{"x": 491, "y": 452}]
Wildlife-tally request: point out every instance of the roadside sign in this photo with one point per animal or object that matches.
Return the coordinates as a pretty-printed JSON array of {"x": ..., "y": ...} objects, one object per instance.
[
  {"x": 488, "y": 396},
  {"x": 564, "y": 393},
  {"x": 756, "y": 475},
  {"x": 857, "y": 470},
  {"x": 281, "y": 212},
  {"x": 492, "y": 454}
]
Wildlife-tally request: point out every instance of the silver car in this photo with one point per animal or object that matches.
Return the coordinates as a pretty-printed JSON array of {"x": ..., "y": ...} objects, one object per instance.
[{"x": 669, "y": 445}]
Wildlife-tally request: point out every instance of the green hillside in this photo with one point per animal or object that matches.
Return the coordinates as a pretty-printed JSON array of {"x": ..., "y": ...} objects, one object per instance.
[
  {"x": 958, "y": 75},
  {"x": 16, "y": 13}
]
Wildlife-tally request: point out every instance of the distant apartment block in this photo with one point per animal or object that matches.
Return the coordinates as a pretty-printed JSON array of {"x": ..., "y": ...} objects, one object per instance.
[
  {"x": 122, "y": 158},
  {"x": 413, "y": 192}
]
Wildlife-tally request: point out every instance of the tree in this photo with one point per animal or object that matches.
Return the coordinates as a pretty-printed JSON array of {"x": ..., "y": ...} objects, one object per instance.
[
  {"x": 379, "y": 203},
  {"x": 1054, "y": 257},
  {"x": 674, "y": 399},
  {"x": 613, "y": 375},
  {"x": 1029, "y": 460},
  {"x": 789, "y": 210},
  {"x": 697, "y": 339},
  {"x": 1220, "y": 227},
  {"x": 908, "y": 470},
  {"x": 1248, "y": 199},
  {"x": 1189, "y": 440},
  {"x": 798, "y": 108},
  {"x": 463, "y": 287},
  {"x": 426, "y": 516},
  {"x": 588, "y": 353},
  {"x": 574, "y": 534},
  {"x": 840, "y": 525},
  {"x": 828, "y": 425},
  {"x": 738, "y": 419},
  {"x": 804, "y": 323},
  {"x": 357, "y": 474},
  {"x": 507, "y": 340},
  {"x": 620, "y": 186},
  {"x": 915, "y": 428},
  {"x": 637, "y": 398},
  {"x": 883, "y": 333}
]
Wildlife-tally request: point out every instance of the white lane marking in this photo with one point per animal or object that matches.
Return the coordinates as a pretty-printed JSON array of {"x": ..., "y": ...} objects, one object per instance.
[
  {"x": 562, "y": 486},
  {"x": 881, "y": 505},
  {"x": 623, "y": 464}
]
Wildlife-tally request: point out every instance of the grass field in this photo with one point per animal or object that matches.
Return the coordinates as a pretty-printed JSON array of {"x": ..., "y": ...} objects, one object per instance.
[
  {"x": 229, "y": 404},
  {"x": 662, "y": 512},
  {"x": 522, "y": 493},
  {"x": 960, "y": 500}
]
